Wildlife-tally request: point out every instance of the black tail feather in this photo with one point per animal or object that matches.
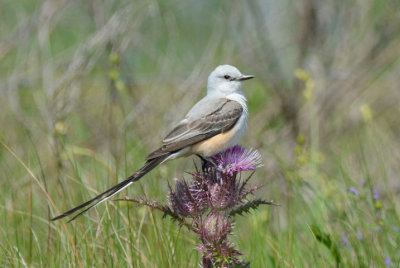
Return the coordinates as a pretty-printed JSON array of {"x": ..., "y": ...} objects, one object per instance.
[{"x": 115, "y": 189}]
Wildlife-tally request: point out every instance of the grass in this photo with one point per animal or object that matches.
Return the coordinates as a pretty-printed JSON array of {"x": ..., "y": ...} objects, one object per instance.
[{"x": 87, "y": 90}]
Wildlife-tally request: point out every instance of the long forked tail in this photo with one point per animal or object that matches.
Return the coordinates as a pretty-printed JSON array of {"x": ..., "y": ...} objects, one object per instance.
[{"x": 113, "y": 190}]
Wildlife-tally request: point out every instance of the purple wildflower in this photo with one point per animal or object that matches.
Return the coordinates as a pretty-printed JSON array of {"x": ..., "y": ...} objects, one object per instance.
[
  {"x": 209, "y": 202},
  {"x": 344, "y": 241},
  {"x": 360, "y": 235},
  {"x": 395, "y": 228},
  {"x": 182, "y": 200},
  {"x": 353, "y": 191},
  {"x": 221, "y": 197},
  {"x": 216, "y": 190},
  {"x": 216, "y": 247},
  {"x": 375, "y": 194},
  {"x": 388, "y": 262},
  {"x": 215, "y": 227},
  {"x": 237, "y": 159}
]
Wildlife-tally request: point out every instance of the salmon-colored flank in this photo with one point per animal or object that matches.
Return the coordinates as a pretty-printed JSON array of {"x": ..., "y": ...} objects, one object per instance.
[{"x": 214, "y": 144}]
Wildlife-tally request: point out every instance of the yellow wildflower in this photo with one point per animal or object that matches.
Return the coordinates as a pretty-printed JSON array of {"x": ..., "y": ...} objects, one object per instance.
[{"x": 366, "y": 112}]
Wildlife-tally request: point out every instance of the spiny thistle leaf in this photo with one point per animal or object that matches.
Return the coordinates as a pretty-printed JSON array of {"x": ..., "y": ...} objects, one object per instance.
[
  {"x": 155, "y": 205},
  {"x": 253, "y": 204},
  {"x": 250, "y": 191},
  {"x": 242, "y": 189}
]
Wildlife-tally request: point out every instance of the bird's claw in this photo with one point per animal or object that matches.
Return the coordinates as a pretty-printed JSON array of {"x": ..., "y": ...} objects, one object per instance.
[{"x": 206, "y": 164}]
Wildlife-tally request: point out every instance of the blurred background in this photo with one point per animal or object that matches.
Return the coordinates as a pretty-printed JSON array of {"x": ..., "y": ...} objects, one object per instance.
[{"x": 88, "y": 88}]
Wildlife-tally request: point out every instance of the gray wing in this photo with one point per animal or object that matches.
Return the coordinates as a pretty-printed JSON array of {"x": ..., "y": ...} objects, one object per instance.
[{"x": 207, "y": 118}]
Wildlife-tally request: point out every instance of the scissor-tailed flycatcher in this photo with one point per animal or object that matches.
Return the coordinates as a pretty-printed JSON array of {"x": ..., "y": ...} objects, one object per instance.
[{"x": 213, "y": 125}]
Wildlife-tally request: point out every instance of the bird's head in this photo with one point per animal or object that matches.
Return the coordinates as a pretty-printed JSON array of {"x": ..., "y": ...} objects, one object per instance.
[{"x": 226, "y": 79}]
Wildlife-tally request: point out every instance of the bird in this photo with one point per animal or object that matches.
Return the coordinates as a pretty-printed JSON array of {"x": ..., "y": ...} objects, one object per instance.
[{"x": 212, "y": 125}]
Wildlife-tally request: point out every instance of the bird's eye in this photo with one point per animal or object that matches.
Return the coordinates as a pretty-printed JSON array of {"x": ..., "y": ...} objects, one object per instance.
[{"x": 227, "y": 77}]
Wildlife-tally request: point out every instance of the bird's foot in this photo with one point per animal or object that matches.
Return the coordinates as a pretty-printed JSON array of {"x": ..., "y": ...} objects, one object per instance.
[{"x": 206, "y": 164}]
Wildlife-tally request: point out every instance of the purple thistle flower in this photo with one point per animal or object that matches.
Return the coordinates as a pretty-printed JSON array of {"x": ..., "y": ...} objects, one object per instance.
[
  {"x": 237, "y": 159},
  {"x": 215, "y": 227},
  {"x": 209, "y": 202},
  {"x": 221, "y": 197},
  {"x": 353, "y": 191},
  {"x": 182, "y": 200},
  {"x": 215, "y": 191},
  {"x": 216, "y": 248}
]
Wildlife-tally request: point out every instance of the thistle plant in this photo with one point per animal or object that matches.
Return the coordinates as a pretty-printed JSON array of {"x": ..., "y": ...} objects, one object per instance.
[{"x": 208, "y": 203}]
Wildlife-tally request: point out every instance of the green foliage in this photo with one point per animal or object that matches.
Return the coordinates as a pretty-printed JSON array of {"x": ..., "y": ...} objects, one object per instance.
[{"x": 326, "y": 240}]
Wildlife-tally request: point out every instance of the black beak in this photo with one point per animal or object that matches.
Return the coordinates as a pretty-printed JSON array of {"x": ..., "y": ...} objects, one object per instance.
[{"x": 245, "y": 77}]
